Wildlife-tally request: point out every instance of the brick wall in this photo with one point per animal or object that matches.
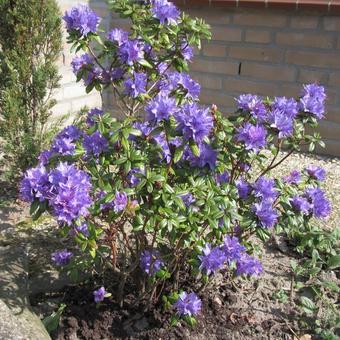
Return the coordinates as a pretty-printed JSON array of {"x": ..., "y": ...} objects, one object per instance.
[{"x": 270, "y": 52}]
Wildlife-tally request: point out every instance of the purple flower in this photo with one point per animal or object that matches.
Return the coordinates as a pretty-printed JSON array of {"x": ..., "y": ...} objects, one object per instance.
[
  {"x": 99, "y": 294},
  {"x": 187, "y": 51},
  {"x": 61, "y": 257},
  {"x": 83, "y": 229},
  {"x": 120, "y": 201},
  {"x": 105, "y": 205},
  {"x": 265, "y": 188},
  {"x": 253, "y": 104},
  {"x": 266, "y": 213},
  {"x": 95, "y": 73},
  {"x": 132, "y": 178},
  {"x": 118, "y": 35},
  {"x": 301, "y": 204},
  {"x": 136, "y": 86},
  {"x": 70, "y": 193},
  {"x": 243, "y": 188},
  {"x": 245, "y": 167},
  {"x": 81, "y": 62},
  {"x": 95, "y": 144},
  {"x": 208, "y": 156},
  {"x": 316, "y": 172},
  {"x": 161, "y": 107},
  {"x": 248, "y": 265},
  {"x": 188, "y": 199},
  {"x": 150, "y": 261},
  {"x": 191, "y": 86},
  {"x": 44, "y": 157},
  {"x": 288, "y": 106},
  {"x": 222, "y": 178},
  {"x": 82, "y": 19},
  {"x": 194, "y": 122},
  {"x": 293, "y": 178},
  {"x": 166, "y": 12},
  {"x": 188, "y": 304},
  {"x": 35, "y": 184},
  {"x": 162, "y": 67},
  {"x": 161, "y": 140},
  {"x": 131, "y": 51},
  {"x": 253, "y": 136},
  {"x": 212, "y": 259},
  {"x": 321, "y": 205},
  {"x": 64, "y": 142},
  {"x": 313, "y": 100},
  {"x": 144, "y": 127},
  {"x": 282, "y": 122},
  {"x": 232, "y": 248},
  {"x": 92, "y": 113}
]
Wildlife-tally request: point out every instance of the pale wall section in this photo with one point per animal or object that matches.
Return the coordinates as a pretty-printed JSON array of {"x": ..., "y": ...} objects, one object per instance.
[{"x": 71, "y": 96}]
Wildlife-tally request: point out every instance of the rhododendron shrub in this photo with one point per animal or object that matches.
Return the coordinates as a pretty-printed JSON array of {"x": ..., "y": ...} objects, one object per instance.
[{"x": 176, "y": 191}]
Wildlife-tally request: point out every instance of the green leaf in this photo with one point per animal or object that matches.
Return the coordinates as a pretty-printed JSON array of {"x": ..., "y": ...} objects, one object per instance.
[
  {"x": 145, "y": 63},
  {"x": 51, "y": 322},
  {"x": 194, "y": 148},
  {"x": 333, "y": 262},
  {"x": 178, "y": 154},
  {"x": 307, "y": 304}
]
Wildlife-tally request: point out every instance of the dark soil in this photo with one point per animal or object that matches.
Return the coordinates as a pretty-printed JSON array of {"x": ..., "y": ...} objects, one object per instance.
[{"x": 237, "y": 310}]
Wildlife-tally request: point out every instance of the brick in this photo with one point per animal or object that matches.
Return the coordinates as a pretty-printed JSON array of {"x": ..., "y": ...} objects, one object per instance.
[
  {"x": 218, "y": 98},
  {"x": 308, "y": 76},
  {"x": 260, "y": 19},
  {"x": 211, "y": 16},
  {"x": 62, "y": 108},
  {"x": 304, "y": 22},
  {"x": 219, "y": 67},
  {"x": 239, "y": 86},
  {"x": 268, "y": 72},
  {"x": 317, "y": 40},
  {"x": 317, "y": 59},
  {"x": 331, "y": 23},
  {"x": 74, "y": 90},
  {"x": 334, "y": 79},
  {"x": 258, "y": 36},
  {"x": 290, "y": 90},
  {"x": 333, "y": 114},
  {"x": 58, "y": 94},
  {"x": 255, "y": 53},
  {"x": 213, "y": 83},
  {"x": 214, "y": 50},
  {"x": 329, "y": 130},
  {"x": 91, "y": 100},
  {"x": 224, "y": 33}
]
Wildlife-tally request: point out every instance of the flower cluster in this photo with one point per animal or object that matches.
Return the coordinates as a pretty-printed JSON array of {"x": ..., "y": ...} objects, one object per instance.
[
  {"x": 312, "y": 201},
  {"x": 99, "y": 294},
  {"x": 65, "y": 188},
  {"x": 62, "y": 257},
  {"x": 150, "y": 262},
  {"x": 188, "y": 304},
  {"x": 230, "y": 251},
  {"x": 313, "y": 100},
  {"x": 81, "y": 19}
]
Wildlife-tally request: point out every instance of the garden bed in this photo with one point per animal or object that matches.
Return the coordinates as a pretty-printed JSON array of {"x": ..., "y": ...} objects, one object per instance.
[{"x": 264, "y": 308}]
